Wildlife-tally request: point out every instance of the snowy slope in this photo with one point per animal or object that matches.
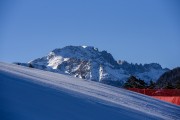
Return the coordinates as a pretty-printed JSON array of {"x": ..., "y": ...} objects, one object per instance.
[
  {"x": 89, "y": 63},
  {"x": 31, "y": 94}
]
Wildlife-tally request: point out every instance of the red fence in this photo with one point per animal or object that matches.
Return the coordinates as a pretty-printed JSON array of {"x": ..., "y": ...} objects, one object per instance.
[
  {"x": 172, "y": 99},
  {"x": 169, "y": 95},
  {"x": 157, "y": 92}
]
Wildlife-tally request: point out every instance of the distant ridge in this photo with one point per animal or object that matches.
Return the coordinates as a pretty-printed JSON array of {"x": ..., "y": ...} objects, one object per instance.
[{"x": 89, "y": 63}]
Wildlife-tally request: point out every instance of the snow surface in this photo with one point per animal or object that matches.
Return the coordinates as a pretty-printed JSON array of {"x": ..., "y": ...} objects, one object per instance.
[
  {"x": 31, "y": 94},
  {"x": 153, "y": 75}
]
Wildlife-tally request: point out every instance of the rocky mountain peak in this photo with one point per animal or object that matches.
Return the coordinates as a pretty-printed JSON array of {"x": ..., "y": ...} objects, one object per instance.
[
  {"x": 87, "y": 53},
  {"x": 88, "y": 62},
  {"x": 153, "y": 66}
]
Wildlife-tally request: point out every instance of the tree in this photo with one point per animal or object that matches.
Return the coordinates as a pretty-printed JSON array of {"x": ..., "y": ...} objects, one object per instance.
[
  {"x": 169, "y": 86},
  {"x": 151, "y": 85},
  {"x": 31, "y": 66},
  {"x": 133, "y": 82}
]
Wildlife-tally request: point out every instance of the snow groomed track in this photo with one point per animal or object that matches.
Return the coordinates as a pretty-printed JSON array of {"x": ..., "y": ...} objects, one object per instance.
[{"x": 27, "y": 93}]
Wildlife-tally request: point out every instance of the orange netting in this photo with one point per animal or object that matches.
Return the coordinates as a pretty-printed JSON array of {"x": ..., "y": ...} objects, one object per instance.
[
  {"x": 169, "y": 95},
  {"x": 157, "y": 92},
  {"x": 172, "y": 99}
]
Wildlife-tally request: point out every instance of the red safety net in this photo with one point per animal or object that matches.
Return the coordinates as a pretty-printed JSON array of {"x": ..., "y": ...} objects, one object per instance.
[
  {"x": 172, "y": 99},
  {"x": 169, "y": 95}
]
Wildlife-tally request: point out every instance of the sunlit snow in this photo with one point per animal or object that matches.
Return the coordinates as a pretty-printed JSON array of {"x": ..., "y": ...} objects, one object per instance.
[{"x": 31, "y": 94}]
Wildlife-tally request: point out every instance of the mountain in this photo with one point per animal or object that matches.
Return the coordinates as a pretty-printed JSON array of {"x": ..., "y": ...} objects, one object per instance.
[
  {"x": 32, "y": 94},
  {"x": 170, "y": 79},
  {"x": 89, "y": 63}
]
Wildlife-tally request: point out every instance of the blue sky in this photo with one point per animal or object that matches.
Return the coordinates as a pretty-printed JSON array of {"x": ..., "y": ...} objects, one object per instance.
[{"x": 138, "y": 31}]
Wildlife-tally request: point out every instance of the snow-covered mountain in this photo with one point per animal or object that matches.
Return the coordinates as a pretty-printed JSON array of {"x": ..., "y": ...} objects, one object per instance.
[
  {"x": 87, "y": 62},
  {"x": 32, "y": 94}
]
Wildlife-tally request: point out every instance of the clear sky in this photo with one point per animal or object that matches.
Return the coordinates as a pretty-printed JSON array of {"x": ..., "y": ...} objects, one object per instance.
[{"x": 138, "y": 31}]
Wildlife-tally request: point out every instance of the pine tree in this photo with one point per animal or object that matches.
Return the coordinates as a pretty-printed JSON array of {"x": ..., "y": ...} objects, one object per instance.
[
  {"x": 151, "y": 85},
  {"x": 169, "y": 86},
  {"x": 31, "y": 66},
  {"x": 133, "y": 82}
]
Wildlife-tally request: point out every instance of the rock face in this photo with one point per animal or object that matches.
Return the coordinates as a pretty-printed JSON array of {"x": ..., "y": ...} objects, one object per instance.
[
  {"x": 89, "y": 63},
  {"x": 170, "y": 79}
]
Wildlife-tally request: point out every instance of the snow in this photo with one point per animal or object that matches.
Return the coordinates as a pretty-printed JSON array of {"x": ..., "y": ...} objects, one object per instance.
[
  {"x": 55, "y": 61},
  {"x": 101, "y": 75},
  {"x": 153, "y": 75},
  {"x": 117, "y": 74},
  {"x": 85, "y": 61},
  {"x": 84, "y": 46},
  {"x": 28, "y": 93},
  {"x": 82, "y": 52}
]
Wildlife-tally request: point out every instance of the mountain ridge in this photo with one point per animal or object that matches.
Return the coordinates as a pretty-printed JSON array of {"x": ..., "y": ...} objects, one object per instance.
[{"x": 89, "y": 63}]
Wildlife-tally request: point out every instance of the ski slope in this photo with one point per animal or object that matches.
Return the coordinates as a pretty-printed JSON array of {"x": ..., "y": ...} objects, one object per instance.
[{"x": 31, "y": 94}]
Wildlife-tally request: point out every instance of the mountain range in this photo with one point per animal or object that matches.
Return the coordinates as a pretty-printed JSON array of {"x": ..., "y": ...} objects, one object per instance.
[{"x": 89, "y": 63}]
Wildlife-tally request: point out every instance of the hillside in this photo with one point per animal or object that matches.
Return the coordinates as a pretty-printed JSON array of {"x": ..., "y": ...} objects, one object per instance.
[
  {"x": 31, "y": 94},
  {"x": 170, "y": 79}
]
